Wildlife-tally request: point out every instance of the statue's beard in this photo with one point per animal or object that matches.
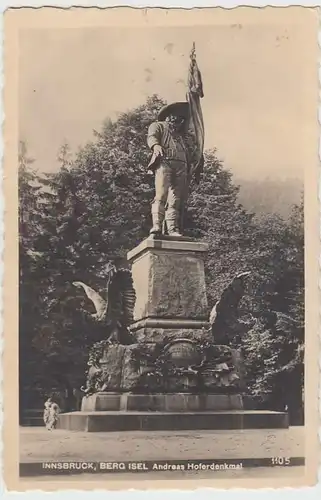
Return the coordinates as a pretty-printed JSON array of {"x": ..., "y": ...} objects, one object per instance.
[{"x": 176, "y": 126}]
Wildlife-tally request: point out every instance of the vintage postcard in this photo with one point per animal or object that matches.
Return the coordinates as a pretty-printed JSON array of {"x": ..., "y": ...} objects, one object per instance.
[{"x": 161, "y": 248}]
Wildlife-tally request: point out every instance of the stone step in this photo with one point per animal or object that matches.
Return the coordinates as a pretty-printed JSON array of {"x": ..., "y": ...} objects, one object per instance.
[
  {"x": 100, "y": 421},
  {"x": 174, "y": 402}
]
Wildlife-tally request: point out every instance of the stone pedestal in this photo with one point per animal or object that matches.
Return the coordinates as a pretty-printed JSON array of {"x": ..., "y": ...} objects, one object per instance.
[
  {"x": 169, "y": 280},
  {"x": 173, "y": 377}
]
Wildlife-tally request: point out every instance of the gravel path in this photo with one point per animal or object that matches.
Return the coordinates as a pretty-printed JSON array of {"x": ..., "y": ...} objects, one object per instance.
[{"x": 38, "y": 445}]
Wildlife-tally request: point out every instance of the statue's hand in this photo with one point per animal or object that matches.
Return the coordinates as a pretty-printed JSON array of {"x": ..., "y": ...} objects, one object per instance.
[{"x": 158, "y": 150}]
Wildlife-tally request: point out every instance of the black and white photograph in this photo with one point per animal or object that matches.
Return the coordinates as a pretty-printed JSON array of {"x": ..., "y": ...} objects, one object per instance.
[{"x": 166, "y": 168}]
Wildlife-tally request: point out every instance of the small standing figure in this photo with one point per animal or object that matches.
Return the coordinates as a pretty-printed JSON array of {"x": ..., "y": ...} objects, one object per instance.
[
  {"x": 51, "y": 413},
  {"x": 46, "y": 413}
]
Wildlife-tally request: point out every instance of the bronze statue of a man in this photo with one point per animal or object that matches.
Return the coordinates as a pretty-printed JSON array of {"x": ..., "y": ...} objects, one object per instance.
[
  {"x": 175, "y": 159},
  {"x": 169, "y": 162}
]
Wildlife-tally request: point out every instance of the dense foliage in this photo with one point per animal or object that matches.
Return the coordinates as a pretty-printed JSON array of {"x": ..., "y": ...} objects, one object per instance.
[{"x": 97, "y": 207}]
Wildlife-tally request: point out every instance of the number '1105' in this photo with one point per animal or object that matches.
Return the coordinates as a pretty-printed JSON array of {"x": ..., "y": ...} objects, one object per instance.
[{"x": 280, "y": 461}]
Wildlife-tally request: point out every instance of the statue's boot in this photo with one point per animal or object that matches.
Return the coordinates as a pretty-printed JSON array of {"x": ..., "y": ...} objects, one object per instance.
[
  {"x": 172, "y": 225},
  {"x": 158, "y": 219}
]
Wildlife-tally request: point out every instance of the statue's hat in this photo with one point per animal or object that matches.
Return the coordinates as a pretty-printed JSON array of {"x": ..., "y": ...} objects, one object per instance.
[{"x": 176, "y": 108}]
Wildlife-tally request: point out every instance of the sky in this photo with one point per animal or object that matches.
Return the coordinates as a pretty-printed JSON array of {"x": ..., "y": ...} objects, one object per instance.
[{"x": 258, "y": 82}]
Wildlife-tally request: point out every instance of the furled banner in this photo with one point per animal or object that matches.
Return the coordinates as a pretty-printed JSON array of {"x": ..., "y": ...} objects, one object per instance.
[{"x": 194, "y": 95}]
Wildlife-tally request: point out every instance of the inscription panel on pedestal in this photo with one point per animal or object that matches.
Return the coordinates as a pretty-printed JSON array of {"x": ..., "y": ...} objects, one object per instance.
[
  {"x": 170, "y": 285},
  {"x": 178, "y": 287}
]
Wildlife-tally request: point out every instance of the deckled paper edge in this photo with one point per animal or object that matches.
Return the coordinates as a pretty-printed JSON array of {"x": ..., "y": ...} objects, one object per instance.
[{"x": 2, "y": 205}]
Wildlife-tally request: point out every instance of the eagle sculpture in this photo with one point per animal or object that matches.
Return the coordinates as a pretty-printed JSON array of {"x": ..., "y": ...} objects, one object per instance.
[
  {"x": 224, "y": 321},
  {"x": 100, "y": 304},
  {"x": 116, "y": 308}
]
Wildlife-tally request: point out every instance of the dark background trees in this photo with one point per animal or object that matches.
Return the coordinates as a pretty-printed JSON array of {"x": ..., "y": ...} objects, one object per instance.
[{"x": 97, "y": 207}]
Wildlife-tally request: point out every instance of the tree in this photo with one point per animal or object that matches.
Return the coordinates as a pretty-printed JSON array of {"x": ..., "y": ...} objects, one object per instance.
[
  {"x": 274, "y": 347},
  {"x": 65, "y": 156},
  {"x": 29, "y": 292},
  {"x": 215, "y": 216},
  {"x": 90, "y": 211}
]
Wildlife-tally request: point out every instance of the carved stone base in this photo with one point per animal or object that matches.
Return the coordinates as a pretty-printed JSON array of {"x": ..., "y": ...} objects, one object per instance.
[
  {"x": 178, "y": 365},
  {"x": 156, "y": 330}
]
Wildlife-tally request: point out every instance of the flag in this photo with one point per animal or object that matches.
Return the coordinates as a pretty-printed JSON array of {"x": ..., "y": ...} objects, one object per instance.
[{"x": 196, "y": 122}]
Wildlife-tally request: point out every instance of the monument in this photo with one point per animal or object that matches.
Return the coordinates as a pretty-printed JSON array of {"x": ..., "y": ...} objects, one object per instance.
[{"x": 167, "y": 363}]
